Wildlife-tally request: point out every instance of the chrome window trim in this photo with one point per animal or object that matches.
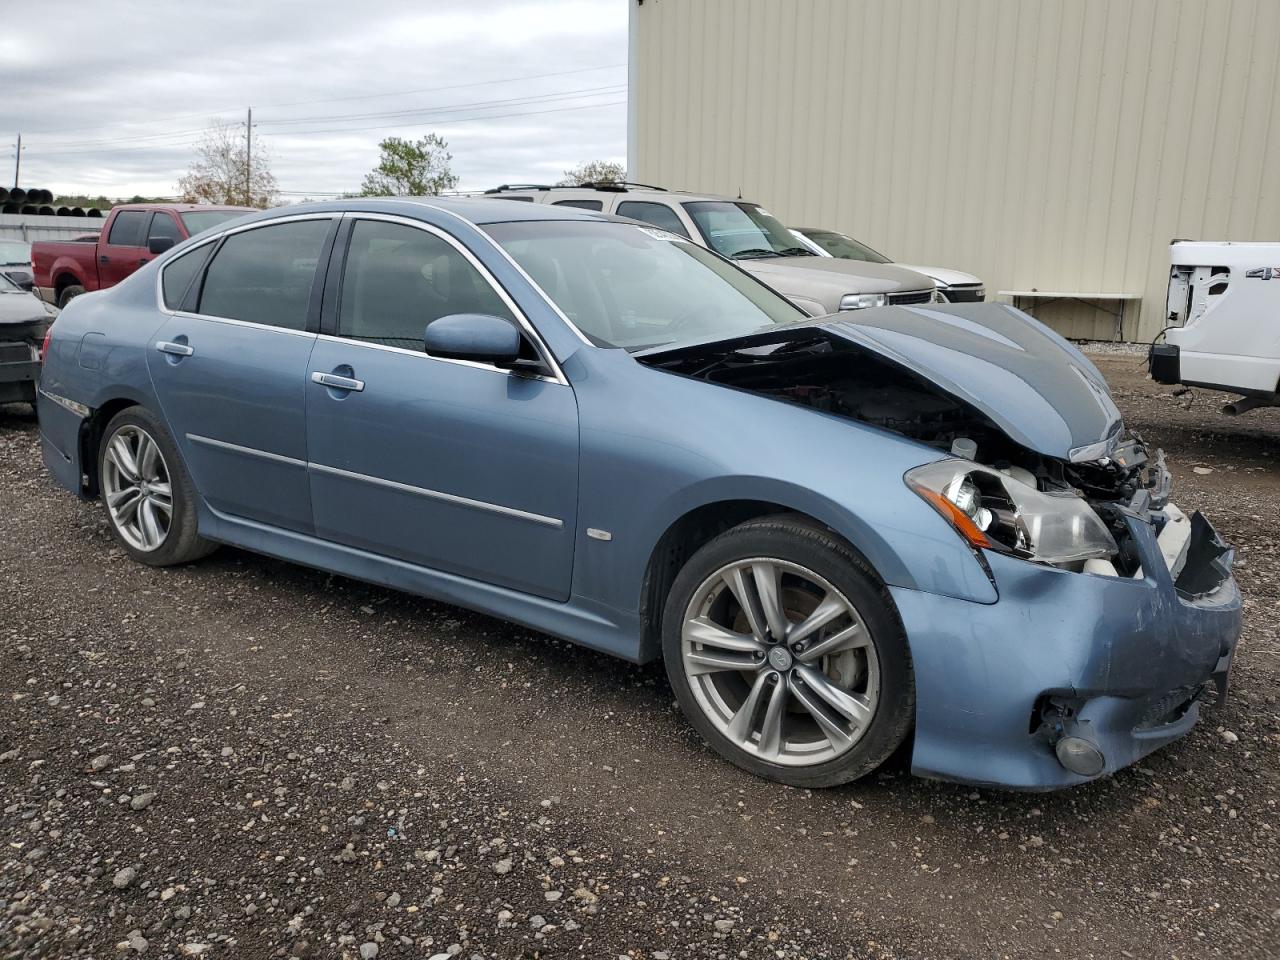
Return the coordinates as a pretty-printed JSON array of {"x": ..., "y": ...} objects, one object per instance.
[
  {"x": 522, "y": 321},
  {"x": 438, "y": 495},
  {"x": 532, "y": 282},
  {"x": 243, "y": 323},
  {"x": 381, "y": 482},
  {"x": 251, "y": 451},
  {"x": 256, "y": 225},
  {"x": 423, "y": 355}
]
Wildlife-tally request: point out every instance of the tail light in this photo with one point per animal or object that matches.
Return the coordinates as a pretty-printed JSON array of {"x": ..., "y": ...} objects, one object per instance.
[{"x": 44, "y": 344}]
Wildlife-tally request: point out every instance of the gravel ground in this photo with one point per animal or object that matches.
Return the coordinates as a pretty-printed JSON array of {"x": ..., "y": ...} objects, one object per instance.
[{"x": 246, "y": 758}]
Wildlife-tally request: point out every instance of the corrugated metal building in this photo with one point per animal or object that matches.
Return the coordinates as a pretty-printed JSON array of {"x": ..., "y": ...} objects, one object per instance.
[{"x": 1055, "y": 145}]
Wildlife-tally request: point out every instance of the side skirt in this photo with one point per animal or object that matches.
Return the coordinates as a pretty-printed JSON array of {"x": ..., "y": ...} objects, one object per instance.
[{"x": 596, "y": 626}]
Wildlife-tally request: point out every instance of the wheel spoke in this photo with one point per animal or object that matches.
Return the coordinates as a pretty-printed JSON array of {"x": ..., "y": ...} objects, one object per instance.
[
  {"x": 145, "y": 457},
  {"x": 698, "y": 662},
  {"x": 159, "y": 489},
  {"x": 743, "y": 591},
  {"x": 163, "y": 505},
  {"x": 122, "y": 457},
  {"x": 771, "y": 727},
  {"x": 836, "y": 735},
  {"x": 149, "y": 525},
  {"x": 850, "y": 638},
  {"x": 829, "y": 609},
  {"x": 118, "y": 498},
  {"x": 743, "y": 723},
  {"x": 851, "y": 706},
  {"x": 769, "y": 591},
  {"x": 710, "y": 634}
]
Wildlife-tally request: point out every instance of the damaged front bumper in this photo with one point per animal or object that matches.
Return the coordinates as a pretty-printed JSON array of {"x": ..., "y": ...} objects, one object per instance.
[{"x": 1120, "y": 663}]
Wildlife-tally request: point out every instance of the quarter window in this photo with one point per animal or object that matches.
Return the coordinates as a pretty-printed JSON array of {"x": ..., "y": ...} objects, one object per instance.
[
  {"x": 264, "y": 275},
  {"x": 659, "y": 214},
  {"x": 398, "y": 279},
  {"x": 128, "y": 228},
  {"x": 595, "y": 205},
  {"x": 179, "y": 274}
]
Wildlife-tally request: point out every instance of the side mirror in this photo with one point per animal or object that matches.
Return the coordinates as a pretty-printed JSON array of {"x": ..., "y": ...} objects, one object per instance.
[
  {"x": 159, "y": 244},
  {"x": 473, "y": 336}
]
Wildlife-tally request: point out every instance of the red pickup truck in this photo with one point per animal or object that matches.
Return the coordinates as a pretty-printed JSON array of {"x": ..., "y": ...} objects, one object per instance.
[{"x": 131, "y": 236}]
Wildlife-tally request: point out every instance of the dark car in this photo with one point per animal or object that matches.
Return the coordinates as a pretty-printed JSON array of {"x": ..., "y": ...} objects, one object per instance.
[{"x": 24, "y": 320}]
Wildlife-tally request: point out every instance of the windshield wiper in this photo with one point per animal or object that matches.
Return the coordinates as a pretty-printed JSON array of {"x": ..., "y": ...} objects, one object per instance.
[
  {"x": 754, "y": 253},
  {"x": 797, "y": 252}
]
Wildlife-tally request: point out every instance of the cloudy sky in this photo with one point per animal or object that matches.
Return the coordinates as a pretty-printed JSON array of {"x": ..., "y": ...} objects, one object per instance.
[{"x": 112, "y": 97}]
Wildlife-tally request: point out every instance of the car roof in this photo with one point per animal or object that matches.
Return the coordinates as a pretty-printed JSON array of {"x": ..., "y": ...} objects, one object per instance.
[
  {"x": 474, "y": 210},
  {"x": 181, "y": 207}
]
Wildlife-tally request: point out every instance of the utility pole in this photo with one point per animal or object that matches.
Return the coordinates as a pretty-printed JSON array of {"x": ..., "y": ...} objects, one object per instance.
[
  {"x": 248, "y": 160},
  {"x": 17, "y": 162}
]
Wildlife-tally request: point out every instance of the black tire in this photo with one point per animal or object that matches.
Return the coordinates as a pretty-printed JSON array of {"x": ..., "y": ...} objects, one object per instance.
[
  {"x": 68, "y": 294},
  {"x": 182, "y": 543},
  {"x": 798, "y": 541}
]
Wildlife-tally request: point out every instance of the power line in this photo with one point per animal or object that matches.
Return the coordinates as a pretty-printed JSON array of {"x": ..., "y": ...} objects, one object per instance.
[
  {"x": 62, "y": 146},
  {"x": 368, "y": 96},
  {"x": 302, "y": 133}
]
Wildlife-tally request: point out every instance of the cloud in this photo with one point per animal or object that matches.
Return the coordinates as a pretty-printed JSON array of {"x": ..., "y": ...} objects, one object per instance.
[{"x": 113, "y": 100}]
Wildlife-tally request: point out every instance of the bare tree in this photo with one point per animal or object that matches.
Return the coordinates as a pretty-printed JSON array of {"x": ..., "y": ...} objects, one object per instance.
[
  {"x": 408, "y": 168},
  {"x": 222, "y": 171},
  {"x": 594, "y": 171}
]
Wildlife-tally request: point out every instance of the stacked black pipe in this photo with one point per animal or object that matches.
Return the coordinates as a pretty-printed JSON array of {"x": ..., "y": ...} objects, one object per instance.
[{"x": 38, "y": 202}]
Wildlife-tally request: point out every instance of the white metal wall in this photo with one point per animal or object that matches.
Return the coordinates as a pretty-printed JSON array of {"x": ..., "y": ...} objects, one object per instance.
[
  {"x": 1047, "y": 144},
  {"x": 17, "y": 226}
]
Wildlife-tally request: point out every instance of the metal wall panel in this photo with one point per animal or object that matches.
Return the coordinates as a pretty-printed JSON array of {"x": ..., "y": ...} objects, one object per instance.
[{"x": 1046, "y": 144}]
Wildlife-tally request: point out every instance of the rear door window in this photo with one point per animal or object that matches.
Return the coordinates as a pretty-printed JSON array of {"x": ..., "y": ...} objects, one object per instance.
[
  {"x": 659, "y": 214},
  {"x": 129, "y": 228},
  {"x": 179, "y": 273},
  {"x": 265, "y": 275}
]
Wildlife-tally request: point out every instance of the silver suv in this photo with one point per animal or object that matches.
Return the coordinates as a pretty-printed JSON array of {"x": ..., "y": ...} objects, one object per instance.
[{"x": 752, "y": 237}]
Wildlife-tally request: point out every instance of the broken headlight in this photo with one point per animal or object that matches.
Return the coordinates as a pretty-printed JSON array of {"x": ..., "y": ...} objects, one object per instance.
[{"x": 996, "y": 511}]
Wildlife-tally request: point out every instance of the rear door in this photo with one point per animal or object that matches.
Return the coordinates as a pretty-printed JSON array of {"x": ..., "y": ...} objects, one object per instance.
[
  {"x": 454, "y": 465},
  {"x": 124, "y": 247},
  {"x": 230, "y": 365}
]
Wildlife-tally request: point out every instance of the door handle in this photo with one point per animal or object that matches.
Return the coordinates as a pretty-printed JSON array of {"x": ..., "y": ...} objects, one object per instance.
[
  {"x": 337, "y": 382},
  {"x": 104, "y": 259},
  {"x": 176, "y": 349}
]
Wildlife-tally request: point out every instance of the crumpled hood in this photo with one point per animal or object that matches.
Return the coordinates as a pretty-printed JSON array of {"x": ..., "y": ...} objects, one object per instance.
[
  {"x": 1029, "y": 381},
  {"x": 803, "y": 276},
  {"x": 1033, "y": 384}
]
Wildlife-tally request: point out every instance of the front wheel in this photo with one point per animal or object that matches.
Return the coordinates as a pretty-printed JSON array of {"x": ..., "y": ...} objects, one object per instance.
[
  {"x": 149, "y": 498},
  {"x": 785, "y": 652},
  {"x": 68, "y": 294}
]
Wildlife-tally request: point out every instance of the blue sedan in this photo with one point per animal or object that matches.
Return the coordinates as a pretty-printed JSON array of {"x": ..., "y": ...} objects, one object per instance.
[{"x": 902, "y": 525}]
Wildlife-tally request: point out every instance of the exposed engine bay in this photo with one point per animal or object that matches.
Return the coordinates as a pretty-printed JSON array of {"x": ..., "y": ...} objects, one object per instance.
[{"x": 843, "y": 379}]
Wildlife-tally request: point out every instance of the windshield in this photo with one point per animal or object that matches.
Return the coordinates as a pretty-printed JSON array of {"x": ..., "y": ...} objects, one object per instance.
[
  {"x": 14, "y": 251},
  {"x": 207, "y": 219},
  {"x": 8, "y": 286},
  {"x": 846, "y": 248},
  {"x": 639, "y": 287},
  {"x": 743, "y": 231}
]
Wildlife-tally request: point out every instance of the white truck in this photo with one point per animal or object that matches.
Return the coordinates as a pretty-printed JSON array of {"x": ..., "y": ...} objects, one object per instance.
[{"x": 1223, "y": 324}]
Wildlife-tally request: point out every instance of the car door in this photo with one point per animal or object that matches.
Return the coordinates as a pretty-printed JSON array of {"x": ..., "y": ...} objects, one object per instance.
[
  {"x": 454, "y": 465},
  {"x": 125, "y": 246},
  {"x": 230, "y": 365},
  {"x": 658, "y": 214}
]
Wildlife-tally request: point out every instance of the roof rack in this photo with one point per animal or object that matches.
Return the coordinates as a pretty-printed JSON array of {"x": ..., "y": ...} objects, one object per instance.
[
  {"x": 619, "y": 186},
  {"x": 518, "y": 186}
]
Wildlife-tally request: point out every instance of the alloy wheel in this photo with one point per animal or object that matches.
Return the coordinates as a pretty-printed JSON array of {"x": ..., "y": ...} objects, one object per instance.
[
  {"x": 137, "y": 488},
  {"x": 780, "y": 661}
]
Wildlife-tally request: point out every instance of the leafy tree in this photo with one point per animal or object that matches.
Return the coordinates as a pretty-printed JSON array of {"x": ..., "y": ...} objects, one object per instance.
[
  {"x": 409, "y": 168},
  {"x": 221, "y": 172},
  {"x": 594, "y": 171}
]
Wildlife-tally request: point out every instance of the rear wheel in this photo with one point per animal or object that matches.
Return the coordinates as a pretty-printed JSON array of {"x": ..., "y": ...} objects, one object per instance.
[
  {"x": 149, "y": 499},
  {"x": 786, "y": 654},
  {"x": 68, "y": 294}
]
